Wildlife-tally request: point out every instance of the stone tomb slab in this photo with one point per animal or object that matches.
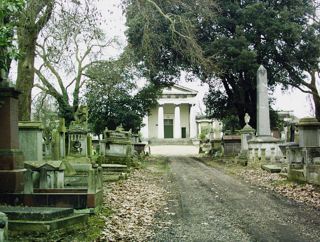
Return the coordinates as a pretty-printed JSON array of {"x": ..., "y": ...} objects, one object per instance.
[
  {"x": 271, "y": 168},
  {"x": 42, "y": 219},
  {"x": 35, "y": 213}
]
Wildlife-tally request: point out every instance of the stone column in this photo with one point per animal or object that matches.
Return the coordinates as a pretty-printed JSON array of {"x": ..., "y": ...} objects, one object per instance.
[
  {"x": 263, "y": 118},
  {"x": 11, "y": 158},
  {"x": 160, "y": 122},
  {"x": 145, "y": 129},
  {"x": 177, "y": 123},
  {"x": 199, "y": 129},
  {"x": 263, "y": 154},
  {"x": 192, "y": 122}
]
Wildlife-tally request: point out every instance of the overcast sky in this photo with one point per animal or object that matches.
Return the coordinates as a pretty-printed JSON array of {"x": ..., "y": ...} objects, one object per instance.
[{"x": 293, "y": 100}]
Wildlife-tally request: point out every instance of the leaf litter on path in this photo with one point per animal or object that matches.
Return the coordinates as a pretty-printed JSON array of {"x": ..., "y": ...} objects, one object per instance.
[
  {"x": 302, "y": 193},
  {"x": 134, "y": 202}
]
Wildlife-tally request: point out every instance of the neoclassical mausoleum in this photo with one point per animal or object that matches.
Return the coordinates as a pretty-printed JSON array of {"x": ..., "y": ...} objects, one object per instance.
[{"x": 174, "y": 117}]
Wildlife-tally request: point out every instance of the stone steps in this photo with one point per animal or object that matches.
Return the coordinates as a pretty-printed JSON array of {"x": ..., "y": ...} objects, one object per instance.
[
  {"x": 114, "y": 168},
  {"x": 29, "y": 220},
  {"x": 170, "y": 142}
]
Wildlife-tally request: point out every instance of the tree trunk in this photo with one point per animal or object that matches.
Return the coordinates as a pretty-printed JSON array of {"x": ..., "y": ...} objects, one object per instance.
[
  {"x": 315, "y": 94},
  {"x": 27, "y": 44},
  {"x": 316, "y": 100}
]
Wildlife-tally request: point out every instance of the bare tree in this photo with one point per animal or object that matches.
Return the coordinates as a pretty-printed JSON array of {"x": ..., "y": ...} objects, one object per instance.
[{"x": 71, "y": 43}]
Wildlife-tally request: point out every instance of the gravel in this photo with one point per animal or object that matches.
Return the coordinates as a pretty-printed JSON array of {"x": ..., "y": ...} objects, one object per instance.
[{"x": 207, "y": 205}]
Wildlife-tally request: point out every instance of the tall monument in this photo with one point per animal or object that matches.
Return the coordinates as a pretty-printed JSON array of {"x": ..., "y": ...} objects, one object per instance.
[
  {"x": 263, "y": 142},
  {"x": 263, "y": 116}
]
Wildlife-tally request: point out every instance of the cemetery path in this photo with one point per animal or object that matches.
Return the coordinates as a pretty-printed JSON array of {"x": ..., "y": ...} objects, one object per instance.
[{"x": 207, "y": 205}]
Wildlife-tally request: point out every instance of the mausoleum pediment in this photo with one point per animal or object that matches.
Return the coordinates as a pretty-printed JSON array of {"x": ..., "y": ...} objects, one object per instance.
[{"x": 178, "y": 90}]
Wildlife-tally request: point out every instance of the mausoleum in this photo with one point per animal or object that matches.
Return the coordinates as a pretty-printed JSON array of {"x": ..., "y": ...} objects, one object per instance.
[{"x": 174, "y": 117}]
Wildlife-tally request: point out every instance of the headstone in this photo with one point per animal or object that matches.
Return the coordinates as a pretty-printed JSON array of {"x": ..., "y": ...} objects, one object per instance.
[
  {"x": 231, "y": 145},
  {"x": 309, "y": 132},
  {"x": 54, "y": 139},
  {"x": 30, "y": 140},
  {"x": 116, "y": 145},
  {"x": 263, "y": 117},
  {"x": 77, "y": 134}
]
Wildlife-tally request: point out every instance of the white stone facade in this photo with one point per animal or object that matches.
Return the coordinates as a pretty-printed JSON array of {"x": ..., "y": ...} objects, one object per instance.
[{"x": 174, "y": 117}]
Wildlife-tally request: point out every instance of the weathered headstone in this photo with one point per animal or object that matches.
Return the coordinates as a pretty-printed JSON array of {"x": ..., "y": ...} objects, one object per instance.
[
  {"x": 116, "y": 146},
  {"x": 30, "y": 140},
  {"x": 77, "y": 134}
]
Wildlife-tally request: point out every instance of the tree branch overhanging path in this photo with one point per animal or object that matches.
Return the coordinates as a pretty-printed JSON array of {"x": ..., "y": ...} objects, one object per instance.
[{"x": 233, "y": 41}]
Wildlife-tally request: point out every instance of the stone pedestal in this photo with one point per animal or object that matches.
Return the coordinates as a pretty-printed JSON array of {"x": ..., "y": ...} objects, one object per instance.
[{"x": 11, "y": 158}]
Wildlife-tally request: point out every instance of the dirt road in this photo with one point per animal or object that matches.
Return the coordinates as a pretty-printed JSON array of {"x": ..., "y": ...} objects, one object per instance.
[{"x": 207, "y": 205}]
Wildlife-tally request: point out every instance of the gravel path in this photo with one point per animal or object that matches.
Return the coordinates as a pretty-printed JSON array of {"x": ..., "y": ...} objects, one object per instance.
[
  {"x": 174, "y": 150},
  {"x": 207, "y": 205}
]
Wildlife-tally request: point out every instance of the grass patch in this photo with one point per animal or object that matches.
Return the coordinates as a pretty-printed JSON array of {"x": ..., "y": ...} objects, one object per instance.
[
  {"x": 92, "y": 230},
  {"x": 156, "y": 164}
]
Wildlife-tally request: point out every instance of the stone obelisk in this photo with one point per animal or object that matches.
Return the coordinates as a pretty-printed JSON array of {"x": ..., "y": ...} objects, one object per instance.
[{"x": 263, "y": 118}]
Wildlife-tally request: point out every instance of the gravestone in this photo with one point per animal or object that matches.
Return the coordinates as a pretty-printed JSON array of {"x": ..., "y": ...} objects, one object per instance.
[
  {"x": 303, "y": 158},
  {"x": 30, "y": 140},
  {"x": 231, "y": 145},
  {"x": 54, "y": 140},
  {"x": 78, "y": 134},
  {"x": 116, "y": 146}
]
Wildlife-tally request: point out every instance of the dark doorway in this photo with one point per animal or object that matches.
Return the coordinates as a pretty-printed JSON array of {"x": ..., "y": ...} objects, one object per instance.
[
  {"x": 183, "y": 132},
  {"x": 168, "y": 128}
]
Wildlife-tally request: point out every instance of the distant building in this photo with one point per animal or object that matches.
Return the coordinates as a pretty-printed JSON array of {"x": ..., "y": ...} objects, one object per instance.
[{"x": 174, "y": 117}]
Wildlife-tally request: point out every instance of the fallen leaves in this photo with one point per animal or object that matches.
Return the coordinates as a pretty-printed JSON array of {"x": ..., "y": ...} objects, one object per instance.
[
  {"x": 135, "y": 203},
  {"x": 302, "y": 193}
]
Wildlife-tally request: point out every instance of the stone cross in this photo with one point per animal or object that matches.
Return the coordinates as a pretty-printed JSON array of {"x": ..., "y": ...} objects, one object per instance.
[{"x": 263, "y": 118}]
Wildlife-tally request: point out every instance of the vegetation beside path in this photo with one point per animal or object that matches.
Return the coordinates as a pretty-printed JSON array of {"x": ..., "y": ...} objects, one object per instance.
[
  {"x": 303, "y": 193},
  {"x": 129, "y": 207}
]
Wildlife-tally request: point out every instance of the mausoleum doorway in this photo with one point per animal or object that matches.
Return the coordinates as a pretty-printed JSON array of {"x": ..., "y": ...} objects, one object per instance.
[{"x": 168, "y": 128}]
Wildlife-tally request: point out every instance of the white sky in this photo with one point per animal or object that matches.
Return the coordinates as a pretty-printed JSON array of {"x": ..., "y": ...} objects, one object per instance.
[{"x": 294, "y": 100}]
